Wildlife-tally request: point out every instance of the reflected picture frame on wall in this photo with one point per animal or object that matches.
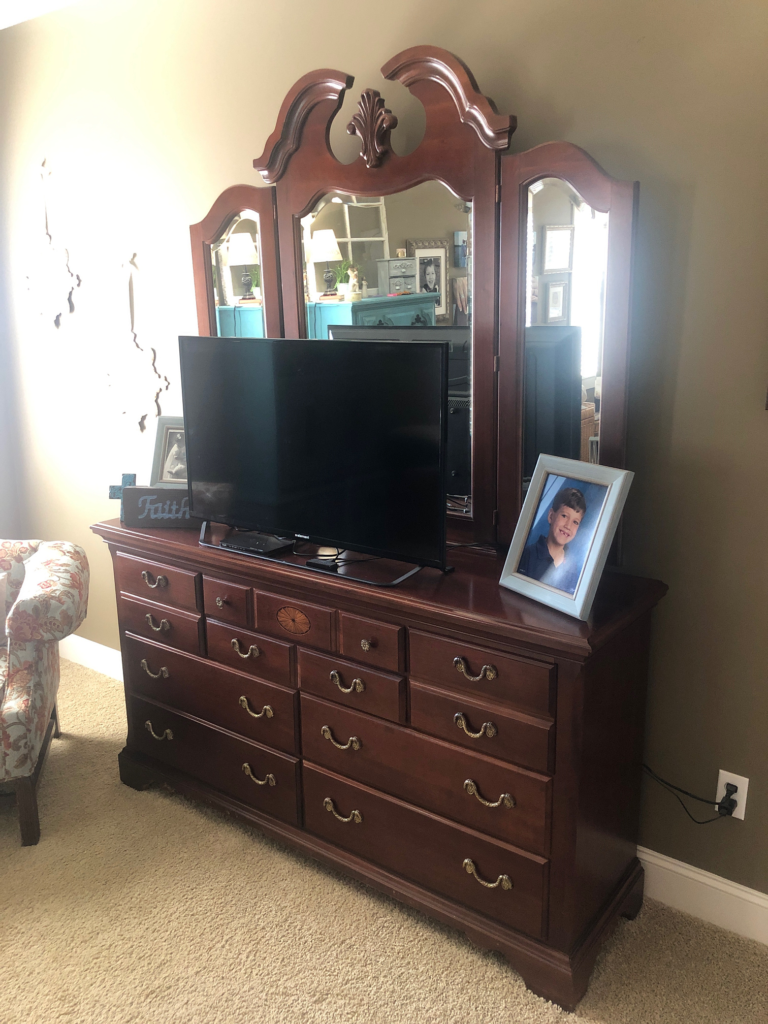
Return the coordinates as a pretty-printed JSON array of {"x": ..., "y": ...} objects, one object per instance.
[
  {"x": 562, "y": 538},
  {"x": 557, "y": 249},
  {"x": 169, "y": 464},
  {"x": 556, "y": 309},
  {"x": 431, "y": 252}
]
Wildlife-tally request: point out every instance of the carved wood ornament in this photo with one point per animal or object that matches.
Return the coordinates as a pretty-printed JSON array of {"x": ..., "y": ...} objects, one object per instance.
[{"x": 373, "y": 123}]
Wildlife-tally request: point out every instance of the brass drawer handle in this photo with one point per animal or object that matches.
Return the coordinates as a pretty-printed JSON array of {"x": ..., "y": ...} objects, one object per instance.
[
  {"x": 356, "y": 684},
  {"x": 268, "y": 780},
  {"x": 486, "y": 672},
  {"x": 162, "y": 628},
  {"x": 161, "y": 581},
  {"x": 355, "y": 816},
  {"x": 266, "y": 711},
  {"x": 253, "y": 650},
  {"x": 505, "y": 799},
  {"x": 503, "y": 880},
  {"x": 353, "y": 742},
  {"x": 162, "y": 674},
  {"x": 221, "y": 601},
  {"x": 487, "y": 728},
  {"x": 367, "y": 644},
  {"x": 167, "y": 734}
]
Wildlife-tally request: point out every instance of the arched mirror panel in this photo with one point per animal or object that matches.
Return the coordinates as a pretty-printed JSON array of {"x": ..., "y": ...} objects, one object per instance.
[
  {"x": 565, "y": 274},
  {"x": 234, "y": 254}
]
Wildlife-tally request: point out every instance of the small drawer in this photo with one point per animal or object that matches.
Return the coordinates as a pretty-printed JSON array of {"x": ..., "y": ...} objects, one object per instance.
[
  {"x": 509, "y": 803},
  {"x": 359, "y": 688},
  {"x": 170, "y": 626},
  {"x": 249, "y": 652},
  {"x": 402, "y": 267},
  {"x": 376, "y": 643},
  {"x": 253, "y": 774},
  {"x": 156, "y": 582},
  {"x": 228, "y": 602},
  {"x": 483, "y": 726},
  {"x": 445, "y": 857},
  {"x": 306, "y": 624},
  {"x": 251, "y": 707},
  {"x": 529, "y": 685}
]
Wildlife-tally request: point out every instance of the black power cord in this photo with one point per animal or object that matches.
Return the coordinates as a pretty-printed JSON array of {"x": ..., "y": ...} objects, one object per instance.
[{"x": 725, "y": 808}]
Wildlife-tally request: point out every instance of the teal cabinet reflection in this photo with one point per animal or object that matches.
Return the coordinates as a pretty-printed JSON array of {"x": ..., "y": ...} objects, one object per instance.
[{"x": 240, "y": 321}]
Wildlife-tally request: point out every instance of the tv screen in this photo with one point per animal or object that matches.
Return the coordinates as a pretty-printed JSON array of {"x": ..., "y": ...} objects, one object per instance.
[{"x": 336, "y": 442}]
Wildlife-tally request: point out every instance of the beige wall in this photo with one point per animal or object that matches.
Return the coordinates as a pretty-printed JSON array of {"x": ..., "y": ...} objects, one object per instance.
[{"x": 145, "y": 111}]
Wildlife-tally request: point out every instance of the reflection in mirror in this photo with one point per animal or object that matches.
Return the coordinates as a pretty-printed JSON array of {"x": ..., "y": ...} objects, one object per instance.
[
  {"x": 399, "y": 268},
  {"x": 567, "y": 259},
  {"x": 236, "y": 259}
]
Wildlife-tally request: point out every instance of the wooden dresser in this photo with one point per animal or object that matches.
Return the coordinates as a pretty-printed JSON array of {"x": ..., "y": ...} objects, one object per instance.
[{"x": 448, "y": 742}]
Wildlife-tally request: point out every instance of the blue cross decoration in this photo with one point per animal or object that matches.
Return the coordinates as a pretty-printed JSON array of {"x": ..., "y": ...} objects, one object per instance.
[{"x": 116, "y": 490}]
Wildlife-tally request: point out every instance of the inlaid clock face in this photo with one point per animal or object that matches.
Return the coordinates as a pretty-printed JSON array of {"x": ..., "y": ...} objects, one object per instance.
[{"x": 293, "y": 621}]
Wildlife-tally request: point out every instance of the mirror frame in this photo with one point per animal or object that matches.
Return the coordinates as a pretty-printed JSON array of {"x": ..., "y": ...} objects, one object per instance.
[
  {"x": 608, "y": 195},
  {"x": 231, "y": 204},
  {"x": 461, "y": 147}
]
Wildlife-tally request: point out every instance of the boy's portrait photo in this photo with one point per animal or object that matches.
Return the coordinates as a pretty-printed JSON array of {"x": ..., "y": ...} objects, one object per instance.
[
  {"x": 561, "y": 542},
  {"x": 562, "y": 532}
]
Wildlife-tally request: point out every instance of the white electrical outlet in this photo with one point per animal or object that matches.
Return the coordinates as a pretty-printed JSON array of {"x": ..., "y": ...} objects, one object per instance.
[{"x": 740, "y": 796}]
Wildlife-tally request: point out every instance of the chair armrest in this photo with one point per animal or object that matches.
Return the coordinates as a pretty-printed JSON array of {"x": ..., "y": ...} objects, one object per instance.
[{"x": 53, "y": 598}]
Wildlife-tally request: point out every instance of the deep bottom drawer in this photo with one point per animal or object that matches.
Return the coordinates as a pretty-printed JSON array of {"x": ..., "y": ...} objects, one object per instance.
[
  {"x": 429, "y": 850},
  {"x": 270, "y": 782}
]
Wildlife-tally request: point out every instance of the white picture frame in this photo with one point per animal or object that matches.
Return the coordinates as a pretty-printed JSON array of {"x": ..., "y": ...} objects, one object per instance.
[
  {"x": 170, "y": 456},
  {"x": 557, "y": 249},
  {"x": 572, "y": 585},
  {"x": 432, "y": 251}
]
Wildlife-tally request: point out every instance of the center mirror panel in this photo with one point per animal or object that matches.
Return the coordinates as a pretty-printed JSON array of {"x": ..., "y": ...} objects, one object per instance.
[
  {"x": 399, "y": 267},
  {"x": 236, "y": 266},
  {"x": 565, "y": 292}
]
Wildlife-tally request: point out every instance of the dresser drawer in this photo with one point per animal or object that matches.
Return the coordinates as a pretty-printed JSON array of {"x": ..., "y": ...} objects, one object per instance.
[
  {"x": 156, "y": 582},
  {"x": 217, "y": 758},
  {"x": 245, "y": 705},
  {"x": 428, "y": 850},
  {"x": 429, "y": 773},
  {"x": 356, "y": 687},
  {"x": 170, "y": 626},
  {"x": 249, "y": 652},
  {"x": 484, "y": 726},
  {"x": 530, "y": 685},
  {"x": 229, "y": 602},
  {"x": 307, "y": 624},
  {"x": 376, "y": 643}
]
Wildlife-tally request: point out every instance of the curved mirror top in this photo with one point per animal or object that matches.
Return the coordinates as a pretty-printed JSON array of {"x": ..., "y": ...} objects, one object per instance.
[
  {"x": 236, "y": 259},
  {"x": 399, "y": 268},
  {"x": 566, "y": 267}
]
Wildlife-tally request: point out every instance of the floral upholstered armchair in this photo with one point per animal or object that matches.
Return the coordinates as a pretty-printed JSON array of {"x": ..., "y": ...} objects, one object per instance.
[{"x": 46, "y": 598}]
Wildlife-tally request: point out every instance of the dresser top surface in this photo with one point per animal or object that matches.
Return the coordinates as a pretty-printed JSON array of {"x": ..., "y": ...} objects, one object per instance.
[{"x": 469, "y": 597}]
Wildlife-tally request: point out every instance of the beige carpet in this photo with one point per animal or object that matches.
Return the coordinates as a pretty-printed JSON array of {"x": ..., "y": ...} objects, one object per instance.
[{"x": 143, "y": 907}]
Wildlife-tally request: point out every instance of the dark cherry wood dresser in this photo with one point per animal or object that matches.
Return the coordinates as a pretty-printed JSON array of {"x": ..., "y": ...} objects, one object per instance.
[{"x": 450, "y": 743}]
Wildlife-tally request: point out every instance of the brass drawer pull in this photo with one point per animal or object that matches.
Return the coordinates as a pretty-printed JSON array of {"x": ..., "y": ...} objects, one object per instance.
[
  {"x": 505, "y": 799},
  {"x": 486, "y": 672},
  {"x": 266, "y": 711},
  {"x": 353, "y": 742},
  {"x": 167, "y": 734},
  {"x": 162, "y": 674},
  {"x": 162, "y": 628},
  {"x": 221, "y": 601},
  {"x": 253, "y": 650},
  {"x": 161, "y": 581},
  {"x": 367, "y": 644},
  {"x": 268, "y": 780},
  {"x": 356, "y": 684},
  {"x": 355, "y": 816},
  {"x": 487, "y": 728},
  {"x": 503, "y": 880}
]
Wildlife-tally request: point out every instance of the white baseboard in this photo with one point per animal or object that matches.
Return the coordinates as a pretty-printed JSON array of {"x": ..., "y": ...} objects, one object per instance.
[
  {"x": 92, "y": 655},
  {"x": 707, "y": 896}
]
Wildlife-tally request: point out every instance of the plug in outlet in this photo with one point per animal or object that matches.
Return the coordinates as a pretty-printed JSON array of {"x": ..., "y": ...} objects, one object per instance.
[{"x": 740, "y": 796}]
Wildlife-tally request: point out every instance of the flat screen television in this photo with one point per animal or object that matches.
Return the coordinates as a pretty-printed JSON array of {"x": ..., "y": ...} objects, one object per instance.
[
  {"x": 336, "y": 442},
  {"x": 552, "y": 396}
]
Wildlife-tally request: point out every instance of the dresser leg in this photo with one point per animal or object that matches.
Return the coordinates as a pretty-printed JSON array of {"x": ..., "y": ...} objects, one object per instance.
[
  {"x": 634, "y": 900},
  {"x": 137, "y": 776}
]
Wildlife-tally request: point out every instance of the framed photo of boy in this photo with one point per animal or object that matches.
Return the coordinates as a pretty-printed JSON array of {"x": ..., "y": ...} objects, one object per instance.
[
  {"x": 169, "y": 465},
  {"x": 564, "y": 532}
]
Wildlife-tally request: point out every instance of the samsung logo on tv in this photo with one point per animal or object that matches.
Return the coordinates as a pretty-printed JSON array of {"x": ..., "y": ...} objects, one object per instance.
[{"x": 301, "y": 536}]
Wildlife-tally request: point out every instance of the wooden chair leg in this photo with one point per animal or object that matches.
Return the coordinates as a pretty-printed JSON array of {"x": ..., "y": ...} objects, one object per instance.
[
  {"x": 26, "y": 801},
  {"x": 56, "y": 726}
]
